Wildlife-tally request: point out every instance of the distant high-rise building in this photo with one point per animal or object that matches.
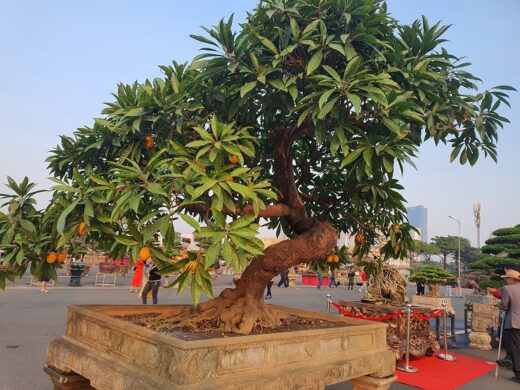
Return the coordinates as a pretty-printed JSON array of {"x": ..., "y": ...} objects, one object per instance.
[{"x": 418, "y": 217}]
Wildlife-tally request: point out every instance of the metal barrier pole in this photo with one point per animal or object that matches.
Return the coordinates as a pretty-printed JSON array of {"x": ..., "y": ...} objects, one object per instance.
[
  {"x": 445, "y": 356},
  {"x": 328, "y": 302},
  {"x": 407, "y": 367}
]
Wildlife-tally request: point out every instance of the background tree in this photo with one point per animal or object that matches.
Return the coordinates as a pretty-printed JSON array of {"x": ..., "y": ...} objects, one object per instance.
[
  {"x": 300, "y": 117},
  {"x": 426, "y": 249},
  {"x": 502, "y": 248},
  {"x": 449, "y": 246},
  {"x": 434, "y": 276}
]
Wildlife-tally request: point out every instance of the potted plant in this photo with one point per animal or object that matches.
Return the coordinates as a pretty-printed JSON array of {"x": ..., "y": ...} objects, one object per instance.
[
  {"x": 434, "y": 276},
  {"x": 299, "y": 118}
]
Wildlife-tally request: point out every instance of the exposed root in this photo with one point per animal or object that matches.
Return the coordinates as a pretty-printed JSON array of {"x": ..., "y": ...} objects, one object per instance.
[
  {"x": 388, "y": 287},
  {"x": 239, "y": 315}
]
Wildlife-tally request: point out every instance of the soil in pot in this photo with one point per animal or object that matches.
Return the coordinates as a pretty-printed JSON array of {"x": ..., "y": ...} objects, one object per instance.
[{"x": 210, "y": 329}]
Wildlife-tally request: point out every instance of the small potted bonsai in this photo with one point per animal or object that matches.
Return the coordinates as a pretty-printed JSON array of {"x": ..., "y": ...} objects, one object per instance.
[{"x": 433, "y": 276}]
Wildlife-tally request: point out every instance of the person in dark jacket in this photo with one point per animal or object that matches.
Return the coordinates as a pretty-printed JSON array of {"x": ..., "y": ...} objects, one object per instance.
[{"x": 153, "y": 283}]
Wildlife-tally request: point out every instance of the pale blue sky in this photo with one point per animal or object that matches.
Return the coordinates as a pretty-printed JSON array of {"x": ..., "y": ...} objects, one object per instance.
[{"x": 60, "y": 60}]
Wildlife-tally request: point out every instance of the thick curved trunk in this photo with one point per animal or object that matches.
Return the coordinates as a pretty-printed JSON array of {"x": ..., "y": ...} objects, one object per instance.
[{"x": 316, "y": 243}]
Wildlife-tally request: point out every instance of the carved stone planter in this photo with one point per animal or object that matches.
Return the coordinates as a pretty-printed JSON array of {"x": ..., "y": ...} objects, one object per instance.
[
  {"x": 309, "y": 359},
  {"x": 483, "y": 318}
]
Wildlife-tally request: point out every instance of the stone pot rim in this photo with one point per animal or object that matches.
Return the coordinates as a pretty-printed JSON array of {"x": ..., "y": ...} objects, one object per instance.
[{"x": 105, "y": 314}]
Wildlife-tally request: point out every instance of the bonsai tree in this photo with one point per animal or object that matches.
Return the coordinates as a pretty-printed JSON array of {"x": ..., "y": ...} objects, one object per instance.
[
  {"x": 299, "y": 119},
  {"x": 502, "y": 249},
  {"x": 433, "y": 276}
]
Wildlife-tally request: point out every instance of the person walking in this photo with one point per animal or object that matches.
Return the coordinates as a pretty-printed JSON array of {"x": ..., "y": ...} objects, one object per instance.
[
  {"x": 137, "y": 279},
  {"x": 152, "y": 284},
  {"x": 284, "y": 279},
  {"x": 268, "y": 295},
  {"x": 332, "y": 280},
  {"x": 510, "y": 304},
  {"x": 420, "y": 288},
  {"x": 351, "y": 275},
  {"x": 44, "y": 279},
  {"x": 364, "y": 280},
  {"x": 320, "y": 280}
]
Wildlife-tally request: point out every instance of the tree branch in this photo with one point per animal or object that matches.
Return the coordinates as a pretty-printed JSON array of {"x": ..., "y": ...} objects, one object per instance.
[{"x": 270, "y": 211}]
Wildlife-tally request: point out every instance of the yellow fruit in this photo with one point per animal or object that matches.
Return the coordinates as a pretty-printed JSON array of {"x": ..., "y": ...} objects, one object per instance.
[
  {"x": 234, "y": 159},
  {"x": 144, "y": 253},
  {"x": 149, "y": 142},
  {"x": 359, "y": 239},
  {"x": 82, "y": 228},
  {"x": 52, "y": 257},
  {"x": 62, "y": 257}
]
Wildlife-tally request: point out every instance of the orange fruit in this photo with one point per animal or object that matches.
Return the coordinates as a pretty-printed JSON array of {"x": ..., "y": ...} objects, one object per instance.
[
  {"x": 149, "y": 142},
  {"x": 144, "y": 253},
  {"x": 330, "y": 259},
  {"x": 336, "y": 259},
  {"x": 234, "y": 159},
  {"x": 52, "y": 257},
  {"x": 82, "y": 228},
  {"x": 359, "y": 239},
  {"x": 229, "y": 179},
  {"x": 396, "y": 229},
  {"x": 62, "y": 257}
]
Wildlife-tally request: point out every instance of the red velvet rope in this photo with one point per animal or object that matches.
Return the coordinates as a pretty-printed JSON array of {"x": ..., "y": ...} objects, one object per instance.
[
  {"x": 350, "y": 314},
  {"x": 436, "y": 313}
]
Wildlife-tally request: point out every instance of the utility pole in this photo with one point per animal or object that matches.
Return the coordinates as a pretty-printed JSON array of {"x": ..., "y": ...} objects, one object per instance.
[
  {"x": 476, "y": 213},
  {"x": 459, "y": 287}
]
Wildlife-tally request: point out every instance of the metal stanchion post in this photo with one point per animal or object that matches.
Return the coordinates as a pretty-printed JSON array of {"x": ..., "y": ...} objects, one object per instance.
[
  {"x": 328, "y": 302},
  {"x": 407, "y": 367},
  {"x": 445, "y": 355}
]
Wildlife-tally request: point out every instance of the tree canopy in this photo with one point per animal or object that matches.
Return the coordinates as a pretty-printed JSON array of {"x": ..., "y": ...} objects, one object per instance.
[
  {"x": 502, "y": 249},
  {"x": 301, "y": 117}
]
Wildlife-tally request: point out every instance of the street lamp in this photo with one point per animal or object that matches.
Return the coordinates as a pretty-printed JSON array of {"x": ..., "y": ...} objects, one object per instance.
[{"x": 459, "y": 288}]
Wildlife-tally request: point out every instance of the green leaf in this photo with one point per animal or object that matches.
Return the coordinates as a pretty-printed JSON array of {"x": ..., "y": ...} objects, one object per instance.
[
  {"x": 28, "y": 225},
  {"x": 351, "y": 157},
  {"x": 332, "y": 72},
  {"x": 212, "y": 254},
  {"x": 227, "y": 252},
  {"x": 126, "y": 240},
  {"x": 270, "y": 45},
  {"x": 190, "y": 221},
  {"x": 246, "y": 88},
  {"x": 203, "y": 188},
  {"x": 327, "y": 107},
  {"x": 156, "y": 188},
  {"x": 325, "y": 96},
  {"x": 314, "y": 62},
  {"x": 295, "y": 29},
  {"x": 278, "y": 84},
  {"x": 356, "y": 102},
  {"x": 63, "y": 217},
  {"x": 196, "y": 291}
]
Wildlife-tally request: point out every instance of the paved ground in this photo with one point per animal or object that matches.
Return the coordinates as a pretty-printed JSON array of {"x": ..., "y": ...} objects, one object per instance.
[{"x": 28, "y": 321}]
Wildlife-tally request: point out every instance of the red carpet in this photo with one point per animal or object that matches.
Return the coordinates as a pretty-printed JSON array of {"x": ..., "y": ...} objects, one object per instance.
[{"x": 437, "y": 374}]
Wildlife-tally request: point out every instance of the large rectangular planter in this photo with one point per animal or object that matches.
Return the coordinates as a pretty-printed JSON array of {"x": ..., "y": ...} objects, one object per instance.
[{"x": 113, "y": 354}]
